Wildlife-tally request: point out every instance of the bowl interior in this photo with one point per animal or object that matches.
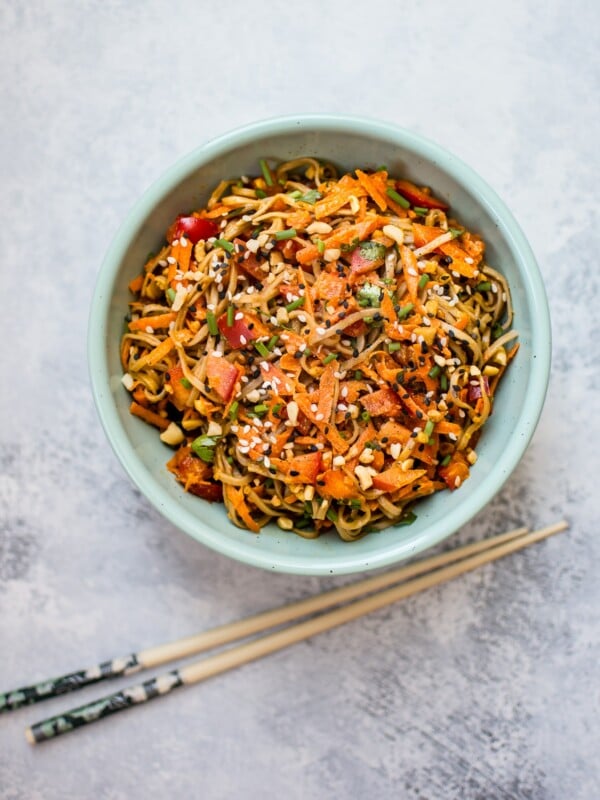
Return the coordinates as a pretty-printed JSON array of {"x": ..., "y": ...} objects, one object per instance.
[{"x": 348, "y": 143}]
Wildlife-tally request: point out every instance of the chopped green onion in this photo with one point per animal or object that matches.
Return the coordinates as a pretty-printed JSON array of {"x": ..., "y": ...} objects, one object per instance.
[
  {"x": 444, "y": 382},
  {"x": 296, "y": 304},
  {"x": 355, "y": 503},
  {"x": 295, "y": 195},
  {"x": 311, "y": 197},
  {"x": 186, "y": 383},
  {"x": 260, "y": 193},
  {"x": 393, "y": 347},
  {"x": 320, "y": 246},
  {"x": 273, "y": 341},
  {"x": 233, "y": 409},
  {"x": 455, "y": 232},
  {"x": 484, "y": 286},
  {"x": 307, "y": 507},
  {"x": 305, "y": 522},
  {"x": 422, "y": 212},
  {"x": 365, "y": 416},
  {"x": 428, "y": 429},
  {"x": 229, "y": 459},
  {"x": 171, "y": 295},
  {"x": 256, "y": 231},
  {"x": 497, "y": 331},
  {"x": 230, "y": 313},
  {"x": 203, "y": 447},
  {"x": 405, "y": 310},
  {"x": 397, "y": 198},
  {"x": 423, "y": 280},
  {"x": 358, "y": 375},
  {"x": 306, "y": 352},
  {"x": 434, "y": 371},
  {"x": 225, "y": 245},
  {"x": 331, "y": 357},
  {"x": 381, "y": 168},
  {"x": 277, "y": 408},
  {"x": 266, "y": 172},
  {"x": 211, "y": 321},
  {"x": 261, "y": 348},
  {"x": 287, "y": 234},
  {"x": 408, "y": 519},
  {"x": 331, "y": 515},
  {"x": 446, "y": 460},
  {"x": 261, "y": 408}
]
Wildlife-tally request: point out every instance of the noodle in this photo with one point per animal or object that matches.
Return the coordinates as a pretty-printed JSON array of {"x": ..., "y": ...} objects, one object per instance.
[{"x": 321, "y": 351}]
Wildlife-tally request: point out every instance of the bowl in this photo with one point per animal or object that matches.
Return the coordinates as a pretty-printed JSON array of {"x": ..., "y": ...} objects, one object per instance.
[{"x": 349, "y": 142}]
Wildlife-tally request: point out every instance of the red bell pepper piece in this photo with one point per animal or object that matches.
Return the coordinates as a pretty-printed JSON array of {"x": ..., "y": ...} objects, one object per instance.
[
  {"x": 384, "y": 402},
  {"x": 222, "y": 376},
  {"x": 418, "y": 197},
  {"x": 475, "y": 389},
  {"x": 366, "y": 257},
  {"x": 240, "y": 333},
  {"x": 194, "y": 229}
]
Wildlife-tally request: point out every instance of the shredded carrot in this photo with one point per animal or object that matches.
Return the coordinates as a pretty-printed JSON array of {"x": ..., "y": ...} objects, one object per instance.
[
  {"x": 149, "y": 416},
  {"x": 155, "y": 321}
]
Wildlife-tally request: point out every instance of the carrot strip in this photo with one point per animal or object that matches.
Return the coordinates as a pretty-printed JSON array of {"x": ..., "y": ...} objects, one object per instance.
[
  {"x": 148, "y": 416},
  {"x": 154, "y": 356},
  {"x": 373, "y": 186},
  {"x": 136, "y": 284},
  {"x": 154, "y": 322}
]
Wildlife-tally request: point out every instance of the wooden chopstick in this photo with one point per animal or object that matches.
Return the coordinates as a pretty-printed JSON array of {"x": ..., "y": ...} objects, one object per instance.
[
  {"x": 225, "y": 634},
  {"x": 270, "y": 643}
]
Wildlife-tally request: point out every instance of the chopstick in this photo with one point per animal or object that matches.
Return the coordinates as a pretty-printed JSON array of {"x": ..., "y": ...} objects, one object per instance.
[
  {"x": 270, "y": 643},
  {"x": 225, "y": 634}
]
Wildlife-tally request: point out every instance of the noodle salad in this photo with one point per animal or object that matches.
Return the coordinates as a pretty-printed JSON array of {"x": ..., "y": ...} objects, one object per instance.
[{"x": 320, "y": 350}]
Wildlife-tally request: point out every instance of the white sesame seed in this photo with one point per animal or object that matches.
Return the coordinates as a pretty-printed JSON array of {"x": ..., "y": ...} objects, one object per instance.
[
  {"x": 243, "y": 340},
  {"x": 319, "y": 417},
  {"x": 267, "y": 462},
  {"x": 469, "y": 260},
  {"x": 171, "y": 260},
  {"x": 239, "y": 315}
]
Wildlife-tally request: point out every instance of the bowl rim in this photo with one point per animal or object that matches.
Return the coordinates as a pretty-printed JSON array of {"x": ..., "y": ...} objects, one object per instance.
[{"x": 248, "y": 553}]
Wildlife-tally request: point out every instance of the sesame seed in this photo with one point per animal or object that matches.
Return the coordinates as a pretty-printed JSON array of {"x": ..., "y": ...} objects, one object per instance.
[
  {"x": 243, "y": 340},
  {"x": 319, "y": 417}
]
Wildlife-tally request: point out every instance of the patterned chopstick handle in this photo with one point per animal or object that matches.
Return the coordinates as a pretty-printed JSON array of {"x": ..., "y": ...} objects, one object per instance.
[
  {"x": 27, "y": 695},
  {"x": 131, "y": 696}
]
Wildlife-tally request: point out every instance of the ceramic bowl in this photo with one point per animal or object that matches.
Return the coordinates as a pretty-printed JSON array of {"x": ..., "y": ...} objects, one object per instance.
[{"x": 349, "y": 142}]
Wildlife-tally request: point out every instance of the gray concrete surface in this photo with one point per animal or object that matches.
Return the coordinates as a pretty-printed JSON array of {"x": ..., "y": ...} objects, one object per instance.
[{"x": 485, "y": 688}]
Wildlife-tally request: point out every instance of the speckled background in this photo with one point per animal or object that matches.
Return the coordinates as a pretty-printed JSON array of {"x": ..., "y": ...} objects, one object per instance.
[{"x": 485, "y": 688}]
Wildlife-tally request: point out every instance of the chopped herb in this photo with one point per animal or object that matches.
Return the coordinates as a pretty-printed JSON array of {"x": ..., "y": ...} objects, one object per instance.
[
  {"x": 369, "y": 296},
  {"x": 444, "y": 382},
  {"x": 277, "y": 408},
  {"x": 261, "y": 348},
  {"x": 287, "y": 234},
  {"x": 331, "y": 515},
  {"x": 371, "y": 251},
  {"x": 233, "y": 410},
  {"x": 261, "y": 409},
  {"x": 446, "y": 460},
  {"x": 171, "y": 295},
  {"x": 203, "y": 447},
  {"x": 428, "y": 429},
  {"x": 484, "y": 286},
  {"x": 224, "y": 244},
  {"x": 260, "y": 193},
  {"x": 455, "y": 232},
  {"x": 230, "y": 313},
  {"x": 296, "y": 304},
  {"x": 358, "y": 375},
  {"x": 422, "y": 212},
  {"x": 365, "y": 416},
  {"x": 331, "y": 357},
  {"x": 304, "y": 522},
  {"x": 264, "y": 167},
  {"x": 229, "y": 459},
  {"x": 347, "y": 248},
  {"x": 186, "y": 383},
  {"x": 355, "y": 503},
  {"x": 211, "y": 321},
  {"x": 273, "y": 341},
  {"x": 423, "y": 280},
  {"x": 296, "y": 195},
  {"x": 320, "y": 246},
  {"x": 408, "y": 519},
  {"x": 393, "y": 347},
  {"x": 397, "y": 198},
  {"x": 497, "y": 331},
  {"x": 256, "y": 231},
  {"x": 311, "y": 197},
  {"x": 434, "y": 371},
  {"x": 405, "y": 310}
]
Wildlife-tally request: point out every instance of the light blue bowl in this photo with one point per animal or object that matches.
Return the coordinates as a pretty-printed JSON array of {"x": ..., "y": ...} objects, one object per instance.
[{"x": 350, "y": 142}]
